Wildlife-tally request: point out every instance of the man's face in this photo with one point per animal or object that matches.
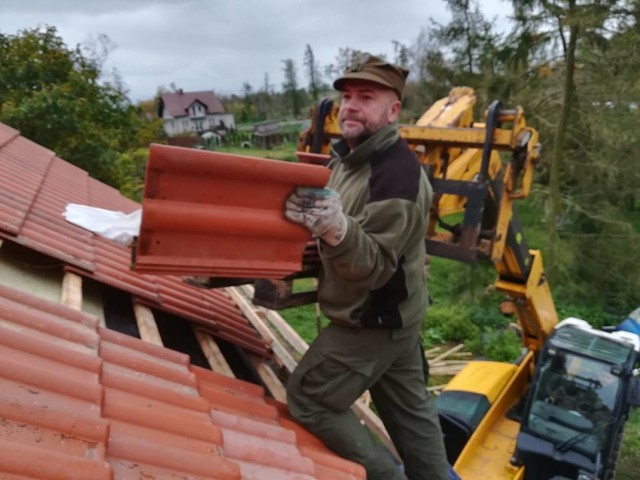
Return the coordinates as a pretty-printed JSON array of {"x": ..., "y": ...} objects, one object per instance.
[{"x": 365, "y": 108}]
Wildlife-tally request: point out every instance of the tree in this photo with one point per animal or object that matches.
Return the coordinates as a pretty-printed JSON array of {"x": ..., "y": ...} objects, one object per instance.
[
  {"x": 290, "y": 86},
  {"x": 59, "y": 97},
  {"x": 264, "y": 99},
  {"x": 248, "y": 112},
  {"x": 401, "y": 54},
  {"x": 313, "y": 73},
  {"x": 345, "y": 57}
]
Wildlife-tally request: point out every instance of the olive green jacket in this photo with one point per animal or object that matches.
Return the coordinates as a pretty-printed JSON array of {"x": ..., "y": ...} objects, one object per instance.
[{"x": 375, "y": 277}]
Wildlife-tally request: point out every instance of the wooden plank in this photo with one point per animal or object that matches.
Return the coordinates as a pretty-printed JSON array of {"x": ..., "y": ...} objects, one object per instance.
[
  {"x": 147, "y": 324},
  {"x": 211, "y": 350},
  {"x": 449, "y": 352},
  {"x": 275, "y": 319},
  {"x": 278, "y": 349},
  {"x": 373, "y": 422},
  {"x": 71, "y": 291},
  {"x": 433, "y": 350},
  {"x": 269, "y": 378}
]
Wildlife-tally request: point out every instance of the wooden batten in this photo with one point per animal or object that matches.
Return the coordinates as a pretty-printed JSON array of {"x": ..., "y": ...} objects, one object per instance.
[
  {"x": 373, "y": 422},
  {"x": 269, "y": 378},
  {"x": 280, "y": 324},
  {"x": 147, "y": 324},
  {"x": 280, "y": 352},
  {"x": 71, "y": 295},
  {"x": 212, "y": 352}
]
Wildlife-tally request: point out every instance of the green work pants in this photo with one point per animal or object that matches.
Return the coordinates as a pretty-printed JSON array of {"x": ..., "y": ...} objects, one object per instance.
[{"x": 341, "y": 364}]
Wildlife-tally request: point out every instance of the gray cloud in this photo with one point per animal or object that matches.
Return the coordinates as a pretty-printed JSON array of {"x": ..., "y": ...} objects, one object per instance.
[{"x": 220, "y": 44}]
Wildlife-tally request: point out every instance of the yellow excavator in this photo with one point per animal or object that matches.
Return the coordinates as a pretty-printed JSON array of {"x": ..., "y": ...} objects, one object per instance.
[{"x": 559, "y": 411}]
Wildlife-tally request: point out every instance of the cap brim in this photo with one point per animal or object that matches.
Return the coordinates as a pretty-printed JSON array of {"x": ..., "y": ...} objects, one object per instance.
[{"x": 338, "y": 84}]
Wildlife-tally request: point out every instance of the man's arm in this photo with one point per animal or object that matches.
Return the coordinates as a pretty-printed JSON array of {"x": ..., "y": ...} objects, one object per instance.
[
  {"x": 364, "y": 250},
  {"x": 374, "y": 244}
]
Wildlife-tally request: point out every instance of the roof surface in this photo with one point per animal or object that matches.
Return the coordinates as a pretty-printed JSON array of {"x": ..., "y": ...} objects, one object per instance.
[
  {"x": 80, "y": 402},
  {"x": 36, "y": 186},
  {"x": 177, "y": 103}
]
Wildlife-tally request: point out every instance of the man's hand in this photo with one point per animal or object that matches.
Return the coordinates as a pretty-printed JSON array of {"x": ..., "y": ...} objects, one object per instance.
[{"x": 320, "y": 210}]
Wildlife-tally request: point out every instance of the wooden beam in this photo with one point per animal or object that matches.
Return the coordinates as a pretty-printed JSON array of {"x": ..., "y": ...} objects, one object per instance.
[
  {"x": 211, "y": 350},
  {"x": 373, "y": 422},
  {"x": 248, "y": 310},
  {"x": 449, "y": 352},
  {"x": 71, "y": 291},
  {"x": 147, "y": 324},
  {"x": 269, "y": 378},
  {"x": 280, "y": 324}
]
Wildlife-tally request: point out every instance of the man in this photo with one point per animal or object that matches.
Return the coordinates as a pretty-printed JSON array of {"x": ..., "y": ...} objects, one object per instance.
[{"x": 370, "y": 223}]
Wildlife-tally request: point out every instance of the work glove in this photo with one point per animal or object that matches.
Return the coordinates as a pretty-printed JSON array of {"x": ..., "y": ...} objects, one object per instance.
[{"x": 320, "y": 210}]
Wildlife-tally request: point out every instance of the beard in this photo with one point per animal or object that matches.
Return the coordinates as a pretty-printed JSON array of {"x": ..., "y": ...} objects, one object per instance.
[{"x": 358, "y": 130}]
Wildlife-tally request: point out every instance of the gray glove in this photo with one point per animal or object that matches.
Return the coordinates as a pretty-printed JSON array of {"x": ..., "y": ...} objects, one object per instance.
[{"x": 320, "y": 210}]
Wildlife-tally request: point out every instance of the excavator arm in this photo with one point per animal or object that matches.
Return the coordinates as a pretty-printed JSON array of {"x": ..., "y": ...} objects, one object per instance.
[
  {"x": 495, "y": 417},
  {"x": 494, "y": 424},
  {"x": 475, "y": 187}
]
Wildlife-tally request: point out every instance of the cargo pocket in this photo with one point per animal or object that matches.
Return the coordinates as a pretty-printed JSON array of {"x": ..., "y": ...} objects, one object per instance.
[{"x": 335, "y": 382}]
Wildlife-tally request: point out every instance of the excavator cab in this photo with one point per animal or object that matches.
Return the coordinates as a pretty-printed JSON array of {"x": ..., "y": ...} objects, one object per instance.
[{"x": 579, "y": 400}]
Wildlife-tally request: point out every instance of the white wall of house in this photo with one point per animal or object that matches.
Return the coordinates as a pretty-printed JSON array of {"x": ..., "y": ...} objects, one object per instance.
[{"x": 181, "y": 125}]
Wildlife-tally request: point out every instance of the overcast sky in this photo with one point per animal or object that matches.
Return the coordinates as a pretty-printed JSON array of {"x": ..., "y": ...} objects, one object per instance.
[{"x": 221, "y": 44}]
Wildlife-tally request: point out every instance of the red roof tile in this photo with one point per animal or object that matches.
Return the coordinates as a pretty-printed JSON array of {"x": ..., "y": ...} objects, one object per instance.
[
  {"x": 133, "y": 410},
  {"x": 217, "y": 214},
  {"x": 177, "y": 103},
  {"x": 36, "y": 186}
]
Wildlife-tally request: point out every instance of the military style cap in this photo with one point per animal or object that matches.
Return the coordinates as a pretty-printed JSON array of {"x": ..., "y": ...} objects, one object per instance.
[{"x": 375, "y": 69}]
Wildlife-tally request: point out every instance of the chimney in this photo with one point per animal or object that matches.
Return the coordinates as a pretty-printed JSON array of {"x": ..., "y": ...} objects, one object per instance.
[{"x": 180, "y": 91}]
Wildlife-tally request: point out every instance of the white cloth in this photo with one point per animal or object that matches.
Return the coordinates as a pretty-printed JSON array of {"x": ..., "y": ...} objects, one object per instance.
[{"x": 117, "y": 226}]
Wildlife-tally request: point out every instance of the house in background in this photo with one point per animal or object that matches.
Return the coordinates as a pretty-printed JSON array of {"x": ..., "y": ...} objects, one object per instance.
[{"x": 186, "y": 112}]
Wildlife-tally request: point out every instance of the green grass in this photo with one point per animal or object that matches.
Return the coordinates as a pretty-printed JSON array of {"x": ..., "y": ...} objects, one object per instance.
[
  {"x": 286, "y": 151},
  {"x": 629, "y": 462}
]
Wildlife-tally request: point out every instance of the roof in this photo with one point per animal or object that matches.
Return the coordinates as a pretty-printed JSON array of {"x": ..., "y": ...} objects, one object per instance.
[
  {"x": 83, "y": 402},
  {"x": 36, "y": 186},
  {"x": 177, "y": 103},
  {"x": 79, "y": 401}
]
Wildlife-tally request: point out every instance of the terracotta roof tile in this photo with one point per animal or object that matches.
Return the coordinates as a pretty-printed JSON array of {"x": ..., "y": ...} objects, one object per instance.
[
  {"x": 217, "y": 214},
  {"x": 36, "y": 186},
  {"x": 177, "y": 103},
  {"x": 92, "y": 403},
  {"x": 140, "y": 410}
]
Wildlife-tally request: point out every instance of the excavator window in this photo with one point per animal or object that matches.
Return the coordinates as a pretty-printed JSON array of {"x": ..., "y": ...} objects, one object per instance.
[{"x": 573, "y": 403}]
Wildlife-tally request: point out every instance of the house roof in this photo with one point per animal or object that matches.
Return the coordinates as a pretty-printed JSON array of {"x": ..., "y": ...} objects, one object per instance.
[
  {"x": 177, "y": 103},
  {"x": 83, "y": 402},
  {"x": 80, "y": 401},
  {"x": 36, "y": 186}
]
